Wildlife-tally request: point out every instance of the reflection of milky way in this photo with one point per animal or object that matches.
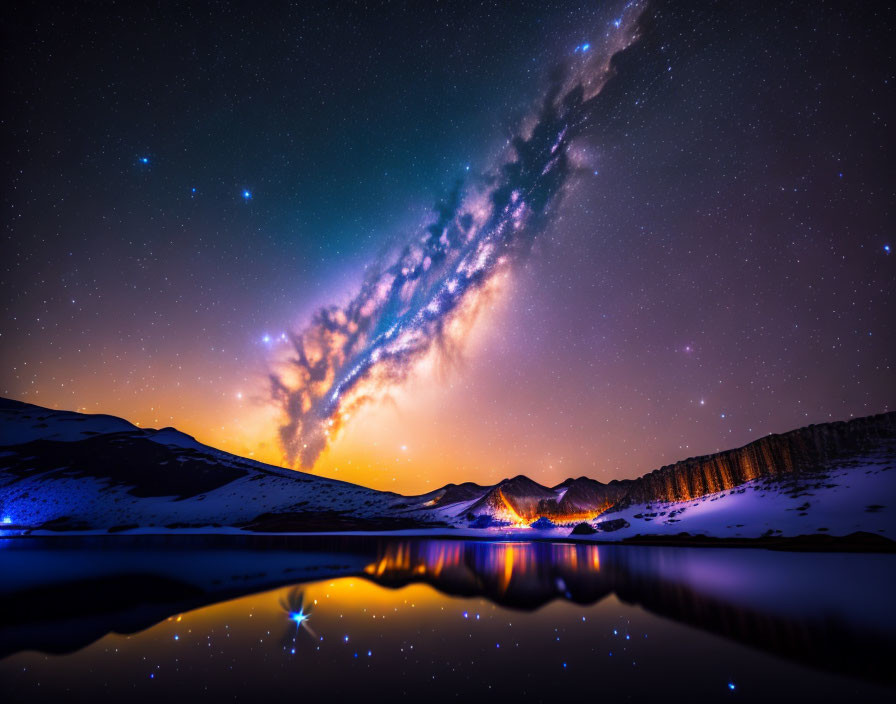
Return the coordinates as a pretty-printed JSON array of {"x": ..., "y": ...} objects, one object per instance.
[{"x": 431, "y": 291}]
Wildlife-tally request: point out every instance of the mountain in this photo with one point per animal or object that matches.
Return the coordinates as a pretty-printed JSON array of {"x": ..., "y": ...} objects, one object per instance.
[
  {"x": 584, "y": 497},
  {"x": 514, "y": 500},
  {"x": 65, "y": 471},
  {"x": 834, "y": 478},
  {"x": 795, "y": 453},
  {"x": 71, "y": 471}
]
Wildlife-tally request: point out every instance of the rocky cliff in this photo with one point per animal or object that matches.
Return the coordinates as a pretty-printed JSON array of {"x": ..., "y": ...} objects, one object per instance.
[
  {"x": 798, "y": 451},
  {"x": 582, "y": 499}
]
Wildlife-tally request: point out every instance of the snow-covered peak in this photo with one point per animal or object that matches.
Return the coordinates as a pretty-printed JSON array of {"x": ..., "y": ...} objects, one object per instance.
[{"x": 22, "y": 422}]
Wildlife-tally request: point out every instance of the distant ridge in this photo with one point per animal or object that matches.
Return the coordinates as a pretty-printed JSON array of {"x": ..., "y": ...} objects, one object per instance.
[
  {"x": 793, "y": 453},
  {"x": 66, "y": 471}
]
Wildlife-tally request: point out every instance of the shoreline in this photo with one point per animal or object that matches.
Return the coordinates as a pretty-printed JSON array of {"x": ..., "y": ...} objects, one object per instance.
[{"x": 858, "y": 542}]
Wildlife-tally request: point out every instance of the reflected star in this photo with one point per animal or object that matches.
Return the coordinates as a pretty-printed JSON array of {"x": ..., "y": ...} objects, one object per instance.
[{"x": 293, "y": 603}]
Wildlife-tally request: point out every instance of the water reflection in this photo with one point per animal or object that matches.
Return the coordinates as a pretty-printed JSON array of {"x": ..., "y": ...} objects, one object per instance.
[
  {"x": 826, "y": 611},
  {"x": 518, "y": 575}
]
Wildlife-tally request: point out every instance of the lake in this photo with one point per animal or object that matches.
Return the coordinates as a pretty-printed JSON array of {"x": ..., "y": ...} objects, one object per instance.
[{"x": 150, "y": 618}]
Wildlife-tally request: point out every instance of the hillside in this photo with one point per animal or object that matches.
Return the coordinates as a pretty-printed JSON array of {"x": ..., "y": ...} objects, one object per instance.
[
  {"x": 70, "y": 471},
  {"x": 63, "y": 471}
]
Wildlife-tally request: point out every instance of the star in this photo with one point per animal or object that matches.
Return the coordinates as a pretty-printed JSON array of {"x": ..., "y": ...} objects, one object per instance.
[{"x": 247, "y": 195}]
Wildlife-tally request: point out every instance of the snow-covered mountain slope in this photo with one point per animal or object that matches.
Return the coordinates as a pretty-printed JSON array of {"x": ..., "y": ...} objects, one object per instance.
[
  {"x": 846, "y": 497},
  {"x": 64, "y": 471},
  {"x": 21, "y": 423},
  {"x": 68, "y": 471},
  {"x": 857, "y": 494},
  {"x": 804, "y": 455}
]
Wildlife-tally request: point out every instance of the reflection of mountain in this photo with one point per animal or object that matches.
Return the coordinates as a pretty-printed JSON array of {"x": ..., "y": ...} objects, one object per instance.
[
  {"x": 781, "y": 603},
  {"x": 512, "y": 574},
  {"x": 816, "y": 628},
  {"x": 61, "y": 594}
]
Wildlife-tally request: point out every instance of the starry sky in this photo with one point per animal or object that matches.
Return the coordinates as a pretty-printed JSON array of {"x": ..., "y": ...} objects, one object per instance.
[{"x": 704, "y": 258}]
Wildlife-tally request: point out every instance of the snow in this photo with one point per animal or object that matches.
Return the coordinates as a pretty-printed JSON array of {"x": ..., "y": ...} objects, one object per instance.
[
  {"x": 33, "y": 497},
  {"x": 62, "y": 426},
  {"x": 858, "y": 494},
  {"x": 836, "y": 503},
  {"x": 839, "y": 503},
  {"x": 175, "y": 438}
]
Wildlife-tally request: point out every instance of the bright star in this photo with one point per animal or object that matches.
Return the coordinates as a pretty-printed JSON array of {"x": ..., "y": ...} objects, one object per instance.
[
  {"x": 144, "y": 159},
  {"x": 293, "y": 603},
  {"x": 887, "y": 248},
  {"x": 585, "y": 47},
  {"x": 7, "y": 520},
  {"x": 731, "y": 686},
  {"x": 266, "y": 339},
  {"x": 247, "y": 195},
  {"x": 617, "y": 23}
]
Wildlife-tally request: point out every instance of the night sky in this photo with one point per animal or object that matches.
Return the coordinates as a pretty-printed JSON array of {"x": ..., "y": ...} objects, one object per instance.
[{"x": 664, "y": 229}]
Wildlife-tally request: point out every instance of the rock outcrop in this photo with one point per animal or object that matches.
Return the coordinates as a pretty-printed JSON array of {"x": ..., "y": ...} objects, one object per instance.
[
  {"x": 514, "y": 500},
  {"x": 794, "y": 453},
  {"x": 798, "y": 451},
  {"x": 582, "y": 498}
]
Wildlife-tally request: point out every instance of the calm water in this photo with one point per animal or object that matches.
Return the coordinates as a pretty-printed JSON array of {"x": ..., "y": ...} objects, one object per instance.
[{"x": 129, "y": 619}]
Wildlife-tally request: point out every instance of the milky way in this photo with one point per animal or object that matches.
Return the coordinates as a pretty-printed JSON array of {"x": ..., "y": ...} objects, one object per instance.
[{"x": 429, "y": 293}]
